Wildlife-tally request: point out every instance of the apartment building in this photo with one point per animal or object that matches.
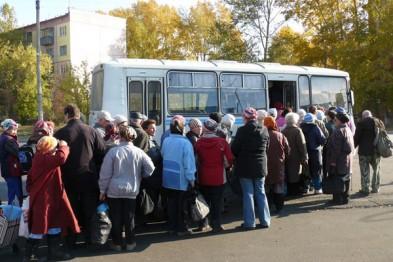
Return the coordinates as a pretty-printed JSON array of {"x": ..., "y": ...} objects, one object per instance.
[{"x": 79, "y": 36}]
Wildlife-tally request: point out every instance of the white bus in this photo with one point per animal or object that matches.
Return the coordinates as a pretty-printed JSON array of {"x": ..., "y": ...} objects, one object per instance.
[{"x": 163, "y": 88}]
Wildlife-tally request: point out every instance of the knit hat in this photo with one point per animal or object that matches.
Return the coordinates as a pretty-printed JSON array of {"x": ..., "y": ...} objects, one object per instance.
[
  {"x": 340, "y": 110},
  {"x": 178, "y": 118},
  {"x": 250, "y": 113},
  {"x": 309, "y": 118},
  {"x": 270, "y": 123},
  {"x": 9, "y": 124},
  {"x": 194, "y": 122},
  {"x": 320, "y": 115},
  {"x": 41, "y": 128},
  {"x": 273, "y": 112},
  {"x": 216, "y": 116},
  {"x": 301, "y": 112},
  {"x": 210, "y": 125},
  {"x": 261, "y": 114},
  {"x": 46, "y": 144},
  {"x": 228, "y": 120}
]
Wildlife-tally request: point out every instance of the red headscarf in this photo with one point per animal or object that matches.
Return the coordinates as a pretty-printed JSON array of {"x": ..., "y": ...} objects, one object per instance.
[{"x": 270, "y": 123}]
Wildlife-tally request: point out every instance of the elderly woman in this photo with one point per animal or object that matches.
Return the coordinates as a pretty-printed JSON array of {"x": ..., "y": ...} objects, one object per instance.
[
  {"x": 297, "y": 156},
  {"x": 227, "y": 123},
  {"x": 195, "y": 130},
  {"x": 340, "y": 157},
  {"x": 178, "y": 173},
  {"x": 276, "y": 156},
  {"x": 50, "y": 211},
  {"x": 261, "y": 114},
  {"x": 214, "y": 155},
  {"x": 249, "y": 148},
  {"x": 120, "y": 178},
  {"x": 41, "y": 128},
  {"x": 9, "y": 162},
  {"x": 314, "y": 141}
]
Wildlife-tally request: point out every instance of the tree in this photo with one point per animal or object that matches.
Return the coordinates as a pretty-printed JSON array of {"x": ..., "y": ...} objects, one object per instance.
[
  {"x": 7, "y": 18},
  {"x": 259, "y": 19},
  {"x": 73, "y": 87},
  {"x": 291, "y": 48}
]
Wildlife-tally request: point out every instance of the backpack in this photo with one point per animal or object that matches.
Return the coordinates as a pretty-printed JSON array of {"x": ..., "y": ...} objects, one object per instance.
[
  {"x": 382, "y": 142},
  {"x": 26, "y": 154}
]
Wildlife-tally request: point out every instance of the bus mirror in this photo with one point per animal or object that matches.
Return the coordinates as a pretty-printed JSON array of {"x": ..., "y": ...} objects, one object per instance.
[{"x": 352, "y": 98}]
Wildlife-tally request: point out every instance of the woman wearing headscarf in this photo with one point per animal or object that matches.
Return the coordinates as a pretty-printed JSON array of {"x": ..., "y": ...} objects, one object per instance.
[
  {"x": 9, "y": 161},
  {"x": 276, "y": 155},
  {"x": 297, "y": 157},
  {"x": 214, "y": 155},
  {"x": 120, "y": 178},
  {"x": 50, "y": 211},
  {"x": 178, "y": 173},
  {"x": 340, "y": 156},
  {"x": 249, "y": 148},
  {"x": 41, "y": 128}
]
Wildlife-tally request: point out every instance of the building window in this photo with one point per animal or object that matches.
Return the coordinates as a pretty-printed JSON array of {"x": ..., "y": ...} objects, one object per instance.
[
  {"x": 63, "y": 30},
  {"x": 49, "y": 51},
  {"x": 63, "y": 50},
  {"x": 63, "y": 68},
  {"x": 28, "y": 38}
]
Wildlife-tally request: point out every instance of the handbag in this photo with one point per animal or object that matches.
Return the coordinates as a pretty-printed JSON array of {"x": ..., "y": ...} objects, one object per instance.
[
  {"x": 199, "y": 209},
  {"x": 146, "y": 204},
  {"x": 333, "y": 184}
]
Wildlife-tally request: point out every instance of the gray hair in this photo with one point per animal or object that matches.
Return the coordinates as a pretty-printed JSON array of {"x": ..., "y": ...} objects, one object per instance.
[
  {"x": 366, "y": 113},
  {"x": 292, "y": 119}
]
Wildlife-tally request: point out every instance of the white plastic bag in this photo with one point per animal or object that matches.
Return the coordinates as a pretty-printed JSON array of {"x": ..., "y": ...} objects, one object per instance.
[
  {"x": 23, "y": 225},
  {"x": 200, "y": 209}
]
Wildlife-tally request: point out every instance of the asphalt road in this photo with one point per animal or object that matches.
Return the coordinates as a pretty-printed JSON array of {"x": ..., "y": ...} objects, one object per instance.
[{"x": 308, "y": 229}]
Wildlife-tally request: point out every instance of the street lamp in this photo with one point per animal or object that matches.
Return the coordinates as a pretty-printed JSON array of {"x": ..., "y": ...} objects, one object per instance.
[{"x": 38, "y": 51}]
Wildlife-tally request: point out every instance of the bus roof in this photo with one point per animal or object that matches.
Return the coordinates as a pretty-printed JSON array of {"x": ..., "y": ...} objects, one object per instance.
[{"x": 223, "y": 65}]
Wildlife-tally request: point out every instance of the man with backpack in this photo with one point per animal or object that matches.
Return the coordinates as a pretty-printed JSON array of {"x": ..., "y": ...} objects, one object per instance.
[{"x": 365, "y": 136}]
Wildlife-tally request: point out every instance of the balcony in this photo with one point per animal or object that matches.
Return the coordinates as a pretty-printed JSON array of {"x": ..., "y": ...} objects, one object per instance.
[{"x": 47, "y": 40}]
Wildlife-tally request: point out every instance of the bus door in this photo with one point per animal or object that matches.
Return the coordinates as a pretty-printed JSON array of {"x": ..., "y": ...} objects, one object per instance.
[
  {"x": 145, "y": 96},
  {"x": 282, "y": 90}
]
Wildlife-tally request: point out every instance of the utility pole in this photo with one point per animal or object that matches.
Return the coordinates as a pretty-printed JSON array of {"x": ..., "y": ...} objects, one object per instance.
[{"x": 39, "y": 88}]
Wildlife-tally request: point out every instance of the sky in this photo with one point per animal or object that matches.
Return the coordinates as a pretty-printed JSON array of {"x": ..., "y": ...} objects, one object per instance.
[{"x": 25, "y": 9}]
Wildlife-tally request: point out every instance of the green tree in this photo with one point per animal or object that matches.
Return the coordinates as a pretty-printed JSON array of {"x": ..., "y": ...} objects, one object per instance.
[{"x": 73, "y": 87}]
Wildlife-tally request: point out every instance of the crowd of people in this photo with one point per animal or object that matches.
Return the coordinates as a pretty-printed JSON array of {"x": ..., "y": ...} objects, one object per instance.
[{"x": 275, "y": 153}]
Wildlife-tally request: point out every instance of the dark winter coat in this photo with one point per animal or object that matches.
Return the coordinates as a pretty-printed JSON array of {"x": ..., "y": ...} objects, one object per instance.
[
  {"x": 249, "y": 148},
  {"x": 365, "y": 136},
  {"x": 314, "y": 136},
  {"x": 9, "y": 161},
  {"x": 298, "y": 153},
  {"x": 340, "y": 149},
  {"x": 80, "y": 171}
]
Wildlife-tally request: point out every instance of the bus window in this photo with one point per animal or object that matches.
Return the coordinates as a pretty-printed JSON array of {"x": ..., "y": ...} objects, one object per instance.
[
  {"x": 154, "y": 101},
  {"x": 135, "y": 96},
  {"x": 239, "y": 91},
  {"x": 192, "y": 93},
  {"x": 97, "y": 91},
  {"x": 304, "y": 92},
  {"x": 329, "y": 91}
]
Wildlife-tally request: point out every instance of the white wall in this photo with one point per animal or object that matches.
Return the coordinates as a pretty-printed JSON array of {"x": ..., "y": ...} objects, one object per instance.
[{"x": 96, "y": 38}]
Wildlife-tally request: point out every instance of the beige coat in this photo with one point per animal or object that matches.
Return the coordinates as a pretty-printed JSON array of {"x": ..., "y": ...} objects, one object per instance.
[{"x": 298, "y": 153}]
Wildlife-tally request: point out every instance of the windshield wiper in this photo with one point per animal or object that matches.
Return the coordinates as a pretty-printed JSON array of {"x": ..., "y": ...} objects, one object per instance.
[{"x": 239, "y": 101}]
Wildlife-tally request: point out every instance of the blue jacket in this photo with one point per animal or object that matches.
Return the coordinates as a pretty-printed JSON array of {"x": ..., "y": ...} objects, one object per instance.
[
  {"x": 178, "y": 163},
  {"x": 314, "y": 136}
]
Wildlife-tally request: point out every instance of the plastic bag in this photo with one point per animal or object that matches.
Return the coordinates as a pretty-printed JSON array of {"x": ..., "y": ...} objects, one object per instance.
[
  {"x": 199, "y": 209},
  {"x": 23, "y": 224},
  {"x": 101, "y": 225}
]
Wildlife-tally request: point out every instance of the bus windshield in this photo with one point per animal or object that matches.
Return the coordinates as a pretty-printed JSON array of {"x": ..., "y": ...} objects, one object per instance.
[
  {"x": 329, "y": 91},
  {"x": 239, "y": 91}
]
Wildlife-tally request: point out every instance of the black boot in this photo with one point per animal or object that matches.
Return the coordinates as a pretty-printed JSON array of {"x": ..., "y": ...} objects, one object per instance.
[
  {"x": 279, "y": 202},
  {"x": 54, "y": 251},
  {"x": 31, "y": 250}
]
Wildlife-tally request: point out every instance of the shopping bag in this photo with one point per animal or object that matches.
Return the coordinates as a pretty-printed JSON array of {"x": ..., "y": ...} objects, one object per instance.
[
  {"x": 23, "y": 224},
  {"x": 199, "y": 209},
  {"x": 101, "y": 225},
  {"x": 145, "y": 203}
]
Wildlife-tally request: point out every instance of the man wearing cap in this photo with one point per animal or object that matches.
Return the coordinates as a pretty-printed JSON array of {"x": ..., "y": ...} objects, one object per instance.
[
  {"x": 9, "y": 162},
  {"x": 313, "y": 110},
  {"x": 142, "y": 138},
  {"x": 80, "y": 171},
  {"x": 249, "y": 148},
  {"x": 364, "y": 139},
  {"x": 104, "y": 118}
]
